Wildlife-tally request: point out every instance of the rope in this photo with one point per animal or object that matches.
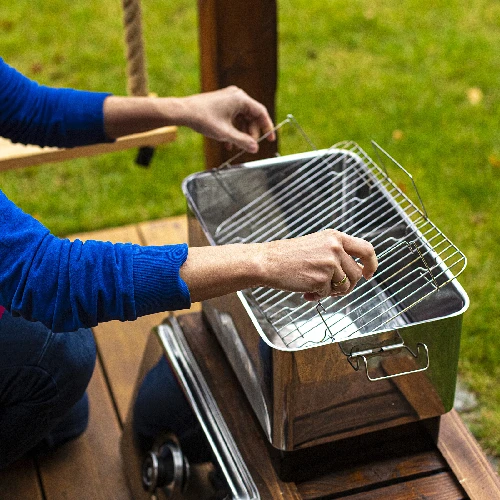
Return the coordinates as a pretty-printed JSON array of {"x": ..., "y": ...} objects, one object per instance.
[{"x": 137, "y": 81}]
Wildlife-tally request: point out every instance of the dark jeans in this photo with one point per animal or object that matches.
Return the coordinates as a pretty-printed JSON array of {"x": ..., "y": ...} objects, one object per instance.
[
  {"x": 43, "y": 404},
  {"x": 43, "y": 378}
]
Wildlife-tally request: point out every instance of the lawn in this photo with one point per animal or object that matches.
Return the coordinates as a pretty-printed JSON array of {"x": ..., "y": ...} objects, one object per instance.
[{"x": 421, "y": 81}]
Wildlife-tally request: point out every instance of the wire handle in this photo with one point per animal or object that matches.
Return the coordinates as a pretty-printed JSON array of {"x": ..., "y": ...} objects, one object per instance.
[
  {"x": 378, "y": 148},
  {"x": 370, "y": 353},
  {"x": 289, "y": 119}
]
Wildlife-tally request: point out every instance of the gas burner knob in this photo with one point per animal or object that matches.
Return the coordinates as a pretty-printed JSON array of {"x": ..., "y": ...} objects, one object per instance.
[{"x": 165, "y": 468}]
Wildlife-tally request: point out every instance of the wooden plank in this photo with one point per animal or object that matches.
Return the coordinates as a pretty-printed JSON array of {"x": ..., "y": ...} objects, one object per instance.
[
  {"x": 442, "y": 486},
  {"x": 19, "y": 155},
  {"x": 121, "y": 346},
  {"x": 20, "y": 481},
  {"x": 169, "y": 231},
  {"x": 123, "y": 234},
  {"x": 368, "y": 475},
  {"x": 89, "y": 467},
  {"x": 132, "y": 456},
  {"x": 238, "y": 46},
  {"x": 467, "y": 459}
]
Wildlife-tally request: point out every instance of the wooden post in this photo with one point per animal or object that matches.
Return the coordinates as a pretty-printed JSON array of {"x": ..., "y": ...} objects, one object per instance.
[{"x": 238, "y": 46}]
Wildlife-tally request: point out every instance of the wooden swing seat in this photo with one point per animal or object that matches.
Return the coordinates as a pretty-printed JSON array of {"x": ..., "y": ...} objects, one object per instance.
[{"x": 19, "y": 156}]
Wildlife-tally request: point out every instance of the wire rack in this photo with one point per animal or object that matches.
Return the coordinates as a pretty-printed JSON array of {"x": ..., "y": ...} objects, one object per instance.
[{"x": 344, "y": 189}]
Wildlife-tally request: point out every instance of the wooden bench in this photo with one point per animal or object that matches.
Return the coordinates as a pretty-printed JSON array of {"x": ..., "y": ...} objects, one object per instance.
[{"x": 91, "y": 466}]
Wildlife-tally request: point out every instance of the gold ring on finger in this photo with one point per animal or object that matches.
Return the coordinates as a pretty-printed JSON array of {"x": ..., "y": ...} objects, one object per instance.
[{"x": 336, "y": 284}]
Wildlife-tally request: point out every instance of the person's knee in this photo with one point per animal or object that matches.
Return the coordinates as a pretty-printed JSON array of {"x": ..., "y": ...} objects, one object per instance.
[
  {"x": 42, "y": 386},
  {"x": 71, "y": 361}
]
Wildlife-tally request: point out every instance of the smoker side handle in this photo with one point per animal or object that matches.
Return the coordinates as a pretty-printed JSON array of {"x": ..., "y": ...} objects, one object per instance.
[{"x": 354, "y": 360}]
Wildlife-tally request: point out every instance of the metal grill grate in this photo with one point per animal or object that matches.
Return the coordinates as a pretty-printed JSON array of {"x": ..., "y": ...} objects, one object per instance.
[{"x": 342, "y": 188}]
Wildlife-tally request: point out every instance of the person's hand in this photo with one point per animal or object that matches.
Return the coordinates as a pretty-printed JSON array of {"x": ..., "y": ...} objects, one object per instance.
[
  {"x": 314, "y": 265},
  {"x": 229, "y": 115},
  {"x": 320, "y": 264}
]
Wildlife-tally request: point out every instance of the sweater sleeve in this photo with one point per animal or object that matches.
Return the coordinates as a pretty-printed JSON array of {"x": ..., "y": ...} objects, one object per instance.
[
  {"x": 69, "y": 285},
  {"x": 35, "y": 114}
]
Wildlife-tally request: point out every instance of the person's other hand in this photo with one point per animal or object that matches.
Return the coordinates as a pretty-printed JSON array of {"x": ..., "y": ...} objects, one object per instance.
[{"x": 229, "y": 115}]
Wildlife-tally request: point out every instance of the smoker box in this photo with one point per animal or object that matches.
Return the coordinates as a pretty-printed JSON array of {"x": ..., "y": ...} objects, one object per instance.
[{"x": 383, "y": 356}]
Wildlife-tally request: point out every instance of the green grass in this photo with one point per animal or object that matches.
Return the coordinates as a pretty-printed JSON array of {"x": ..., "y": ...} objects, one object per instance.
[
  {"x": 81, "y": 45},
  {"x": 357, "y": 69}
]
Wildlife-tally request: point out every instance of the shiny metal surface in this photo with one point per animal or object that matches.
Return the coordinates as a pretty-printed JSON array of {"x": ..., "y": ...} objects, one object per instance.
[
  {"x": 165, "y": 468},
  {"x": 226, "y": 453},
  {"x": 305, "y": 392}
]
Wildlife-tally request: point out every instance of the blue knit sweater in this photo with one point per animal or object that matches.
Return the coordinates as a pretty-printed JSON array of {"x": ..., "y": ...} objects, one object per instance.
[{"x": 69, "y": 285}]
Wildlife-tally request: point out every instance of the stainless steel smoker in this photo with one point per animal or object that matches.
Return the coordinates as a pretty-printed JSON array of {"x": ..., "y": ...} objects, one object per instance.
[
  {"x": 317, "y": 376},
  {"x": 386, "y": 354}
]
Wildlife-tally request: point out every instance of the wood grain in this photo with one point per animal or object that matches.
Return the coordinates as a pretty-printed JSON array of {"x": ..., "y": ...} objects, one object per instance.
[
  {"x": 442, "y": 486},
  {"x": 20, "y": 481},
  {"x": 466, "y": 459},
  {"x": 20, "y": 156},
  {"x": 238, "y": 46},
  {"x": 370, "y": 475}
]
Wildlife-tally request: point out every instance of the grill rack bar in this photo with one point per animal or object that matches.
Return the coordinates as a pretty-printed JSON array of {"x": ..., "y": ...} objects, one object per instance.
[{"x": 345, "y": 182}]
